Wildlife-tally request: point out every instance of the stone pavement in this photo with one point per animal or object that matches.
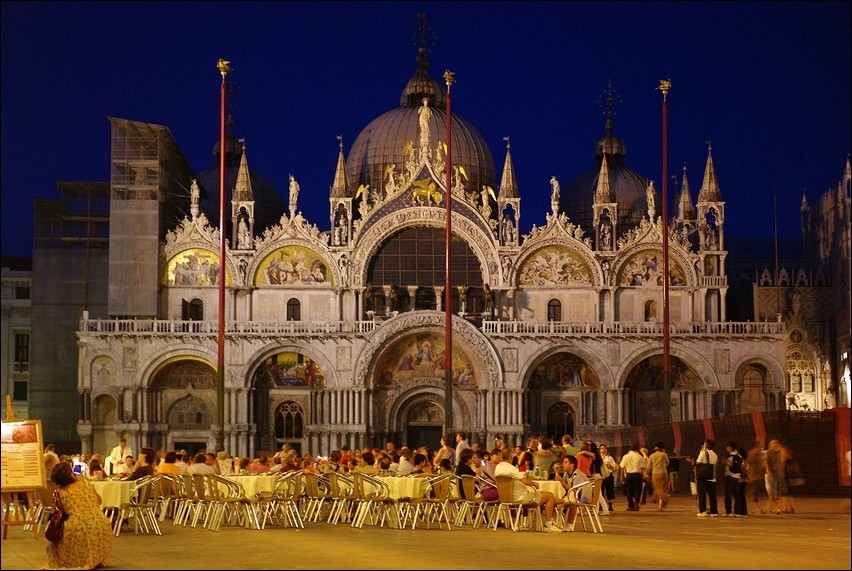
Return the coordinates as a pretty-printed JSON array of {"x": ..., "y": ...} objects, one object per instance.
[{"x": 817, "y": 536}]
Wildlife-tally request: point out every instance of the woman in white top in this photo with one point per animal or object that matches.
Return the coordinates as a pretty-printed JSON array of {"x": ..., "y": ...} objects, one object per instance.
[{"x": 445, "y": 451}]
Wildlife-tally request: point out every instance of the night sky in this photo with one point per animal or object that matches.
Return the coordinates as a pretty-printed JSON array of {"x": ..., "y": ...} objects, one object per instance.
[{"x": 767, "y": 83}]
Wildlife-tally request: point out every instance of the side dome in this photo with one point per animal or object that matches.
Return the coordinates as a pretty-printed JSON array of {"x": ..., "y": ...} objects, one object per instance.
[
  {"x": 628, "y": 187},
  {"x": 268, "y": 202},
  {"x": 382, "y": 142}
]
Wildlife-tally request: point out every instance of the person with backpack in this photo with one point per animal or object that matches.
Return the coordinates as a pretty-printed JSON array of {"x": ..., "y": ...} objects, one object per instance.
[{"x": 734, "y": 505}]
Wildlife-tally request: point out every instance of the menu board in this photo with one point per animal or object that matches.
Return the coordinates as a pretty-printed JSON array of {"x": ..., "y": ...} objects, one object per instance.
[{"x": 22, "y": 451}]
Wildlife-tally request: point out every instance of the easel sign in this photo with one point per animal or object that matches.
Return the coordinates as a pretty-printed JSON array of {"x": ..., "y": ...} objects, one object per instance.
[
  {"x": 21, "y": 468},
  {"x": 22, "y": 451}
]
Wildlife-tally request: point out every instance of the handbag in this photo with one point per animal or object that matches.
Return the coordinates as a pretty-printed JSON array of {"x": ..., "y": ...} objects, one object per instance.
[
  {"x": 56, "y": 523},
  {"x": 705, "y": 470}
]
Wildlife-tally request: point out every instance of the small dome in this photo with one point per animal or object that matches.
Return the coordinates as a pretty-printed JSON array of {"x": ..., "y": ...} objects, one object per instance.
[
  {"x": 628, "y": 187},
  {"x": 268, "y": 204}
]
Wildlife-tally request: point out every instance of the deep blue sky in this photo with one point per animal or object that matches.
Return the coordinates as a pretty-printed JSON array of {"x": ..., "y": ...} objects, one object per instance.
[{"x": 767, "y": 82}]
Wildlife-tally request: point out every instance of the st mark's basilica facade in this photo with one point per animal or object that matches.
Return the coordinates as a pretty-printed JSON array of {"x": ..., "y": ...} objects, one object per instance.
[{"x": 337, "y": 336}]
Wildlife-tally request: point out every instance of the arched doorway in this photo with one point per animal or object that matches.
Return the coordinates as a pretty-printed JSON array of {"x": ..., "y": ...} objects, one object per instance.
[
  {"x": 424, "y": 421},
  {"x": 560, "y": 421}
]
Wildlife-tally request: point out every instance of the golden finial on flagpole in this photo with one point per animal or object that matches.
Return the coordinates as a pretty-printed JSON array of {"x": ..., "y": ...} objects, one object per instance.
[
  {"x": 665, "y": 85},
  {"x": 449, "y": 78},
  {"x": 224, "y": 67}
]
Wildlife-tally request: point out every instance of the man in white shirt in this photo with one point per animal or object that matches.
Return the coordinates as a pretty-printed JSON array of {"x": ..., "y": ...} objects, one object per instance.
[
  {"x": 117, "y": 455},
  {"x": 632, "y": 465},
  {"x": 525, "y": 490},
  {"x": 461, "y": 444},
  {"x": 405, "y": 466},
  {"x": 200, "y": 466},
  {"x": 181, "y": 462}
]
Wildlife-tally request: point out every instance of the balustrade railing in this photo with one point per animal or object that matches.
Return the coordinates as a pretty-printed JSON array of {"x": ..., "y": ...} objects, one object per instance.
[{"x": 179, "y": 327}]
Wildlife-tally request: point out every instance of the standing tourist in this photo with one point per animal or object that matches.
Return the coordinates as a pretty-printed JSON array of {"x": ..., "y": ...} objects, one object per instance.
[
  {"x": 632, "y": 465},
  {"x": 706, "y": 482},
  {"x": 733, "y": 472},
  {"x": 461, "y": 444},
  {"x": 658, "y": 464},
  {"x": 608, "y": 487},
  {"x": 118, "y": 454}
]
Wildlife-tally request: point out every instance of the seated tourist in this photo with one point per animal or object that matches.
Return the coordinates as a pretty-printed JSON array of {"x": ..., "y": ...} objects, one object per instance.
[{"x": 525, "y": 490}]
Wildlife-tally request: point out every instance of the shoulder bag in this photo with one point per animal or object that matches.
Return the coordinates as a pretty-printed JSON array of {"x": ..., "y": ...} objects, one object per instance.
[
  {"x": 705, "y": 470},
  {"x": 56, "y": 524}
]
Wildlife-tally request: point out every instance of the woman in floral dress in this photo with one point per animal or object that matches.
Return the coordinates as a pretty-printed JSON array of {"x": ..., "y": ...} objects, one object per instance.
[{"x": 87, "y": 539}]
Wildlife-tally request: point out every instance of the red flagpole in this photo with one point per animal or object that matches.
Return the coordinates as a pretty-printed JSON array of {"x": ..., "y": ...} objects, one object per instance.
[
  {"x": 665, "y": 85},
  {"x": 224, "y": 69},
  {"x": 448, "y": 282}
]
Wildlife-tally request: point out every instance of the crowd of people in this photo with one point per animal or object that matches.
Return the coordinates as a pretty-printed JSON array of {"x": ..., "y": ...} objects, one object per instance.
[{"x": 757, "y": 474}]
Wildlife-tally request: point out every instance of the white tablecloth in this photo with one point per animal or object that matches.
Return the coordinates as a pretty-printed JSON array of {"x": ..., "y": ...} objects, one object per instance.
[
  {"x": 551, "y": 486},
  {"x": 253, "y": 484},
  {"x": 406, "y": 486},
  {"x": 113, "y": 493}
]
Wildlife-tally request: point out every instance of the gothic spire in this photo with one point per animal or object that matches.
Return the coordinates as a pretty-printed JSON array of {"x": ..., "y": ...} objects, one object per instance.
[
  {"x": 710, "y": 185},
  {"x": 242, "y": 188},
  {"x": 685, "y": 209},
  {"x": 603, "y": 192},
  {"x": 338, "y": 187},
  {"x": 508, "y": 184}
]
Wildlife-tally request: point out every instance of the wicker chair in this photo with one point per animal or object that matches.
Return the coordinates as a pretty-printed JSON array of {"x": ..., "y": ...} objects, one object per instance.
[{"x": 510, "y": 512}]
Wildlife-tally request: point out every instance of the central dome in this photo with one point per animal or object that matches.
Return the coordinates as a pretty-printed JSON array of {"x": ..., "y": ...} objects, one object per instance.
[{"x": 383, "y": 140}]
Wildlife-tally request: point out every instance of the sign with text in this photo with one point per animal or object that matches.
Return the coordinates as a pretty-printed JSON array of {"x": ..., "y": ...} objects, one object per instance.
[{"x": 22, "y": 451}]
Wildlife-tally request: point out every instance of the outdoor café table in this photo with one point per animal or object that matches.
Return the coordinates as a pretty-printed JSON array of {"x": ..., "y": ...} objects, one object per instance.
[
  {"x": 406, "y": 486},
  {"x": 113, "y": 493},
  {"x": 551, "y": 486},
  {"x": 253, "y": 483}
]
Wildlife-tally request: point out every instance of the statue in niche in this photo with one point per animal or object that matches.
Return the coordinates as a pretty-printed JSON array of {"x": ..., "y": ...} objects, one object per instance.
[
  {"x": 487, "y": 298},
  {"x": 508, "y": 231},
  {"x": 345, "y": 263},
  {"x": 341, "y": 226},
  {"x": 243, "y": 234},
  {"x": 606, "y": 235}
]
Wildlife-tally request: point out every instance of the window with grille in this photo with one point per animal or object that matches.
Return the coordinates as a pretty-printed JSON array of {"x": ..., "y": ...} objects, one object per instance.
[
  {"x": 416, "y": 257},
  {"x": 193, "y": 310},
  {"x": 289, "y": 422},
  {"x": 560, "y": 421},
  {"x": 554, "y": 310},
  {"x": 294, "y": 310},
  {"x": 800, "y": 373},
  {"x": 22, "y": 353}
]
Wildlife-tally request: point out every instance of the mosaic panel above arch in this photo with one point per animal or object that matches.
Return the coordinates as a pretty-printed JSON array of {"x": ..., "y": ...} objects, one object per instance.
[
  {"x": 648, "y": 375},
  {"x": 293, "y": 265},
  {"x": 289, "y": 369},
  {"x": 421, "y": 355},
  {"x": 563, "y": 371},
  {"x": 646, "y": 268},
  {"x": 555, "y": 265},
  {"x": 194, "y": 267},
  {"x": 180, "y": 373}
]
